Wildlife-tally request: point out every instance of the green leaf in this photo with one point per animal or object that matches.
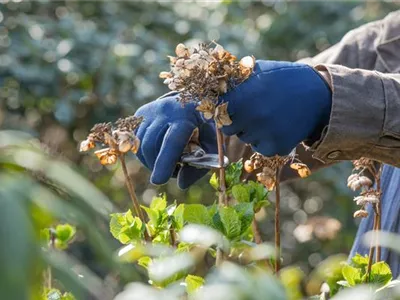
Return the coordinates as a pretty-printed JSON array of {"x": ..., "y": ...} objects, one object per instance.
[
  {"x": 153, "y": 215},
  {"x": 193, "y": 283},
  {"x": 159, "y": 203},
  {"x": 231, "y": 222},
  {"x": 65, "y": 232},
  {"x": 359, "y": 260},
  {"x": 214, "y": 181},
  {"x": 381, "y": 273},
  {"x": 126, "y": 228},
  {"x": 179, "y": 216},
  {"x": 145, "y": 262},
  {"x": 241, "y": 192},
  {"x": 259, "y": 193},
  {"x": 233, "y": 173},
  {"x": 197, "y": 214},
  {"x": 217, "y": 223},
  {"x": 260, "y": 204},
  {"x": 245, "y": 212},
  {"x": 352, "y": 275}
]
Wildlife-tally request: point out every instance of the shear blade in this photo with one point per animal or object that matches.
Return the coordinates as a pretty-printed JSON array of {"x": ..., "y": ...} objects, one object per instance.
[{"x": 207, "y": 161}]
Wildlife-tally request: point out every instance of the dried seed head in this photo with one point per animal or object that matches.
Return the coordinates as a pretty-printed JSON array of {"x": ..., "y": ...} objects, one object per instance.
[{"x": 360, "y": 214}]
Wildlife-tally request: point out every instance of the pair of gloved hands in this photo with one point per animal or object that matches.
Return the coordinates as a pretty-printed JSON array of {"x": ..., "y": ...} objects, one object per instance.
[{"x": 279, "y": 106}]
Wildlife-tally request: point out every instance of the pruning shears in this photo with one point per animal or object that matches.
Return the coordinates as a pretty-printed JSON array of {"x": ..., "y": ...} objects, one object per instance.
[{"x": 195, "y": 156}]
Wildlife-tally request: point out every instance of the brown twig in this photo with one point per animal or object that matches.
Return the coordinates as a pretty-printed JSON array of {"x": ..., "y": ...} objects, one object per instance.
[
  {"x": 277, "y": 221},
  {"x": 222, "y": 199},
  {"x": 132, "y": 194},
  {"x": 172, "y": 236}
]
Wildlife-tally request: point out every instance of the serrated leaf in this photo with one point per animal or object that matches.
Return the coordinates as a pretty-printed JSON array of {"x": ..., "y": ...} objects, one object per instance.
[
  {"x": 159, "y": 203},
  {"x": 197, "y": 214},
  {"x": 193, "y": 283},
  {"x": 381, "y": 273},
  {"x": 116, "y": 222},
  {"x": 259, "y": 192},
  {"x": 231, "y": 222},
  {"x": 352, "y": 275},
  {"x": 241, "y": 192},
  {"x": 233, "y": 173},
  {"x": 245, "y": 212},
  {"x": 214, "y": 181}
]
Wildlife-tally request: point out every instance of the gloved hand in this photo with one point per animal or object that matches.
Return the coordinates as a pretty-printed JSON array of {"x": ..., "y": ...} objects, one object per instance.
[
  {"x": 279, "y": 106},
  {"x": 164, "y": 133}
]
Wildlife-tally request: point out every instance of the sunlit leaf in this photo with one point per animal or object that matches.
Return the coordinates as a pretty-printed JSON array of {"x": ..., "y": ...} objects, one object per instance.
[
  {"x": 352, "y": 275},
  {"x": 381, "y": 273},
  {"x": 230, "y": 221},
  {"x": 197, "y": 214},
  {"x": 193, "y": 283}
]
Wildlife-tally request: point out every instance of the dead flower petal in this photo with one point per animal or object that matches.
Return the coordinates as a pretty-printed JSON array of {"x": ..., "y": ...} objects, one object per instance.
[
  {"x": 165, "y": 75},
  {"x": 247, "y": 62},
  {"x": 302, "y": 169},
  {"x": 135, "y": 145},
  {"x": 221, "y": 115},
  {"x": 86, "y": 145},
  {"x": 360, "y": 214},
  {"x": 181, "y": 50}
]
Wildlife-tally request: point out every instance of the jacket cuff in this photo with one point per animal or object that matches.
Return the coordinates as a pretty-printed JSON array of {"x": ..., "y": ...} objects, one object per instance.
[{"x": 357, "y": 115}]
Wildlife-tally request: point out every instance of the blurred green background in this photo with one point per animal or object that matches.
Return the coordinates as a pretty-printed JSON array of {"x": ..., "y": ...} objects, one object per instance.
[{"x": 66, "y": 65}]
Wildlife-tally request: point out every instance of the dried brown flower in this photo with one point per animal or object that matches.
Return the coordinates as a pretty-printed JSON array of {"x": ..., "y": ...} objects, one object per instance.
[
  {"x": 119, "y": 139},
  {"x": 203, "y": 73},
  {"x": 356, "y": 181}
]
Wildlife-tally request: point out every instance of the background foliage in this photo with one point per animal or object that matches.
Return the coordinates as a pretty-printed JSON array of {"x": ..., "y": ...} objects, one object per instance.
[{"x": 65, "y": 65}]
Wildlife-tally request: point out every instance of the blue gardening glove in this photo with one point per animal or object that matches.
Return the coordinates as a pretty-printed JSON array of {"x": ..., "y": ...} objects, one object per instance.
[
  {"x": 164, "y": 133},
  {"x": 279, "y": 106}
]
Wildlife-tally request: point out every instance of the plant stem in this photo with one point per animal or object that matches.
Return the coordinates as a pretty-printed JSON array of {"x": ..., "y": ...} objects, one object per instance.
[
  {"x": 378, "y": 213},
  {"x": 256, "y": 232},
  {"x": 372, "y": 248},
  {"x": 277, "y": 221},
  {"x": 172, "y": 236},
  {"x": 222, "y": 199},
  {"x": 219, "y": 257},
  {"x": 51, "y": 246},
  {"x": 132, "y": 194}
]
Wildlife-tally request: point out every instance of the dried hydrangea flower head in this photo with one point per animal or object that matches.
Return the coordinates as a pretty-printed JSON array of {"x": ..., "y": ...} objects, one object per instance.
[
  {"x": 202, "y": 74},
  {"x": 267, "y": 166},
  {"x": 118, "y": 139}
]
